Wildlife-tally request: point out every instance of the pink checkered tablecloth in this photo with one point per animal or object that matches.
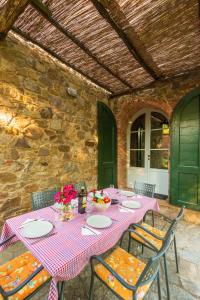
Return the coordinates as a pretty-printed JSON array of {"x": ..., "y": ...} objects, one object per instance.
[{"x": 66, "y": 253}]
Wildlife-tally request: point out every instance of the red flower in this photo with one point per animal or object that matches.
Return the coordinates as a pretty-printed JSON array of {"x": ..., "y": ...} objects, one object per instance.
[{"x": 67, "y": 195}]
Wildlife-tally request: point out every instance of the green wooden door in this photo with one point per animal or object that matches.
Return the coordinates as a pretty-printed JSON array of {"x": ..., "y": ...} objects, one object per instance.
[
  {"x": 106, "y": 147},
  {"x": 185, "y": 152}
]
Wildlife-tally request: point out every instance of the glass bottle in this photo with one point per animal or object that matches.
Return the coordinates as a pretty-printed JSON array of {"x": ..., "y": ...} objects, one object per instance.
[{"x": 82, "y": 200}]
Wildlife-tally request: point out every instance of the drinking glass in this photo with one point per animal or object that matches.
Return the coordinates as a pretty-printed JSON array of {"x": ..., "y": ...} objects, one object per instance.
[{"x": 88, "y": 211}]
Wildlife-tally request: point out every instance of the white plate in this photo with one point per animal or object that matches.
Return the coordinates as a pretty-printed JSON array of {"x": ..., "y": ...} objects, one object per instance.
[
  {"x": 131, "y": 204},
  {"x": 36, "y": 229},
  {"x": 127, "y": 193},
  {"x": 99, "y": 221}
]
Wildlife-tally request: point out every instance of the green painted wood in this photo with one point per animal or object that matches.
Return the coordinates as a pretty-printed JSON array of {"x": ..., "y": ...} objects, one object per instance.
[
  {"x": 107, "y": 153},
  {"x": 185, "y": 152}
]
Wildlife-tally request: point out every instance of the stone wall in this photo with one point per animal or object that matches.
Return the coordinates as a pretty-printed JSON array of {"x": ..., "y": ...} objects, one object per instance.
[
  {"x": 47, "y": 137},
  {"x": 161, "y": 96}
]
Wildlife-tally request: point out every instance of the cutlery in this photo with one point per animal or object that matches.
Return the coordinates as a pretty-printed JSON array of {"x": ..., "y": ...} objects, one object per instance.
[
  {"x": 28, "y": 222},
  {"x": 43, "y": 237},
  {"x": 125, "y": 208},
  {"x": 53, "y": 209},
  {"x": 114, "y": 219},
  {"x": 84, "y": 226}
]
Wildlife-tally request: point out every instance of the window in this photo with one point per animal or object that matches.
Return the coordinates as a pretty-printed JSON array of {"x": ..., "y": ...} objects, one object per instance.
[{"x": 137, "y": 142}]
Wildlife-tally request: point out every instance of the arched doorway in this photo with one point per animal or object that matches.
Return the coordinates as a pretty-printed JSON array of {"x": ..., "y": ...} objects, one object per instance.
[
  {"x": 185, "y": 152},
  {"x": 148, "y": 146},
  {"x": 107, "y": 153}
]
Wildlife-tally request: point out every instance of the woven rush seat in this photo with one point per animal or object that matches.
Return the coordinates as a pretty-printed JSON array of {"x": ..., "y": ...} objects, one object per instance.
[
  {"x": 127, "y": 267},
  {"x": 17, "y": 270},
  {"x": 154, "y": 241}
]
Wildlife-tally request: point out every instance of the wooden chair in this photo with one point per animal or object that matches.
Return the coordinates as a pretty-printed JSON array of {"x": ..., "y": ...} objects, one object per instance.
[
  {"x": 21, "y": 277},
  {"x": 153, "y": 238},
  {"x": 127, "y": 276},
  {"x": 43, "y": 198}
]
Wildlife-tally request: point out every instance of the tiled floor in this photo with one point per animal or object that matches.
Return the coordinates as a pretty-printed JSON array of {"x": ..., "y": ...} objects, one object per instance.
[{"x": 183, "y": 286}]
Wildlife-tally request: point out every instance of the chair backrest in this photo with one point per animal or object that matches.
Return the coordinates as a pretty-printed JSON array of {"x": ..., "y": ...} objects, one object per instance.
[
  {"x": 174, "y": 223},
  {"x": 79, "y": 185},
  {"x": 145, "y": 189},
  {"x": 151, "y": 269},
  {"x": 43, "y": 198}
]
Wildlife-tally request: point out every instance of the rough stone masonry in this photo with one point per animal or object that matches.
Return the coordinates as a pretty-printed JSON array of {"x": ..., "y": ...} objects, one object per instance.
[{"x": 47, "y": 137}]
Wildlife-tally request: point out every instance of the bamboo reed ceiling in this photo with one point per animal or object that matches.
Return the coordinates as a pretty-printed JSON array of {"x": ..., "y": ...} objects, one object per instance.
[{"x": 121, "y": 45}]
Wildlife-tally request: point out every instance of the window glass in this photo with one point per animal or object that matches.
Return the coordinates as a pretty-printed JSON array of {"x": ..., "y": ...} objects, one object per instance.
[
  {"x": 138, "y": 140},
  {"x": 139, "y": 123},
  {"x": 159, "y": 159},
  {"x": 159, "y": 140},
  {"x": 137, "y": 158},
  {"x": 157, "y": 120}
]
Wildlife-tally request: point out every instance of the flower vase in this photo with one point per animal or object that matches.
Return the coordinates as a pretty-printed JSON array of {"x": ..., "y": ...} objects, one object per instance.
[{"x": 66, "y": 213}]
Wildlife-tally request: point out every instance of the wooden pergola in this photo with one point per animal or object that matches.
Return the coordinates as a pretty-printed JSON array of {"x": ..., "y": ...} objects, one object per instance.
[{"x": 120, "y": 45}]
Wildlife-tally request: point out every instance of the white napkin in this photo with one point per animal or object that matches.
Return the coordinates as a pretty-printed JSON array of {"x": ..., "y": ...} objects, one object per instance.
[
  {"x": 87, "y": 231},
  {"x": 126, "y": 210}
]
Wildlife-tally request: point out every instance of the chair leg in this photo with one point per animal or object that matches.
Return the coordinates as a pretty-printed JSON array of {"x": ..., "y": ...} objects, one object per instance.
[
  {"x": 61, "y": 291},
  {"x": 158, "y": 283},
  {"x": 129, "y": 243},
  {"x": 91, "y": 287},
  {"x": 120, "y": 243},
  {"x": 152, "y": 214},
  {"x": 176, "y": 255},
  {"x": 166, "y": 277}
]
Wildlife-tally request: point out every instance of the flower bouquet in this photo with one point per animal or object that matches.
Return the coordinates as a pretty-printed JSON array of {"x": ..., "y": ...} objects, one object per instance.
[
  {"x": 100, "y": 200},
  {"x": 64, "y": 198}
]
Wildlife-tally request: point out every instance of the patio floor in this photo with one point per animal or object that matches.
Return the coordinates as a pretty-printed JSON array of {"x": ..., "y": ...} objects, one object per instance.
[{"x": 184, "y": 286}]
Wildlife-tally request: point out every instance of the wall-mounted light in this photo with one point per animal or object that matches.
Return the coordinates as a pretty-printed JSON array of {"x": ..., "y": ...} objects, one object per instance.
[{"x": 165, "y": 128}]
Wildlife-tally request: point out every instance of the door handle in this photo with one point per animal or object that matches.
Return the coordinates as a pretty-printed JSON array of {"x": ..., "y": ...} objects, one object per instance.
[{"x": 149, "y": 157}]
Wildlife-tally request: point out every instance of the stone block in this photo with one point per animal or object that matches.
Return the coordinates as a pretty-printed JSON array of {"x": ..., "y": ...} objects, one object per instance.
[
  {"x": 56, "y": 124},
  {"x": 32, "y": 86},
  {"x": 14, "y": 154},
  {"x": 3, "y": 195},
  {"x": 39, "y": 66},
  {"x": 43, "y": 151},
  {"x": 64, "y": 148},
  {"x": 29, "y": 188},
  {"x": 50, "y": 132},
  {"x": 89, "y": 143},
  {"x": 22, "y": 143},
  {"x": 6, "y": 177},
  {"x": 33, "y": 132},
  {"x": 14, "y": 202},
  {"x": 46, "y": 113}
]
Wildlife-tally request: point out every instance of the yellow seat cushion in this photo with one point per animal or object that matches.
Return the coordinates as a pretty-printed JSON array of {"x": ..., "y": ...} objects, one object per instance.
[
  {"x": 127, "y": 267},
  {"x": 156, "y": 242},
  {"x": 14, "y": 272}
]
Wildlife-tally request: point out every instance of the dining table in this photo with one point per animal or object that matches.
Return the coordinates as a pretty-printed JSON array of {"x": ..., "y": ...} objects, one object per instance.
[{"x": 65, "y": 253}]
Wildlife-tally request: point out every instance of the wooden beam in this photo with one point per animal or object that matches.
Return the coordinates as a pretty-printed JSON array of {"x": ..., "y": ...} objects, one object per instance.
[
  {"x": 153, "y": 84},
  {"x": 112, "y": 13},
  {"x": 52, "y": 53},
  {"x": 42, "y": 7},
  {"x": 75, "y": 40},
  {"x": 9, "y": 14}
]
